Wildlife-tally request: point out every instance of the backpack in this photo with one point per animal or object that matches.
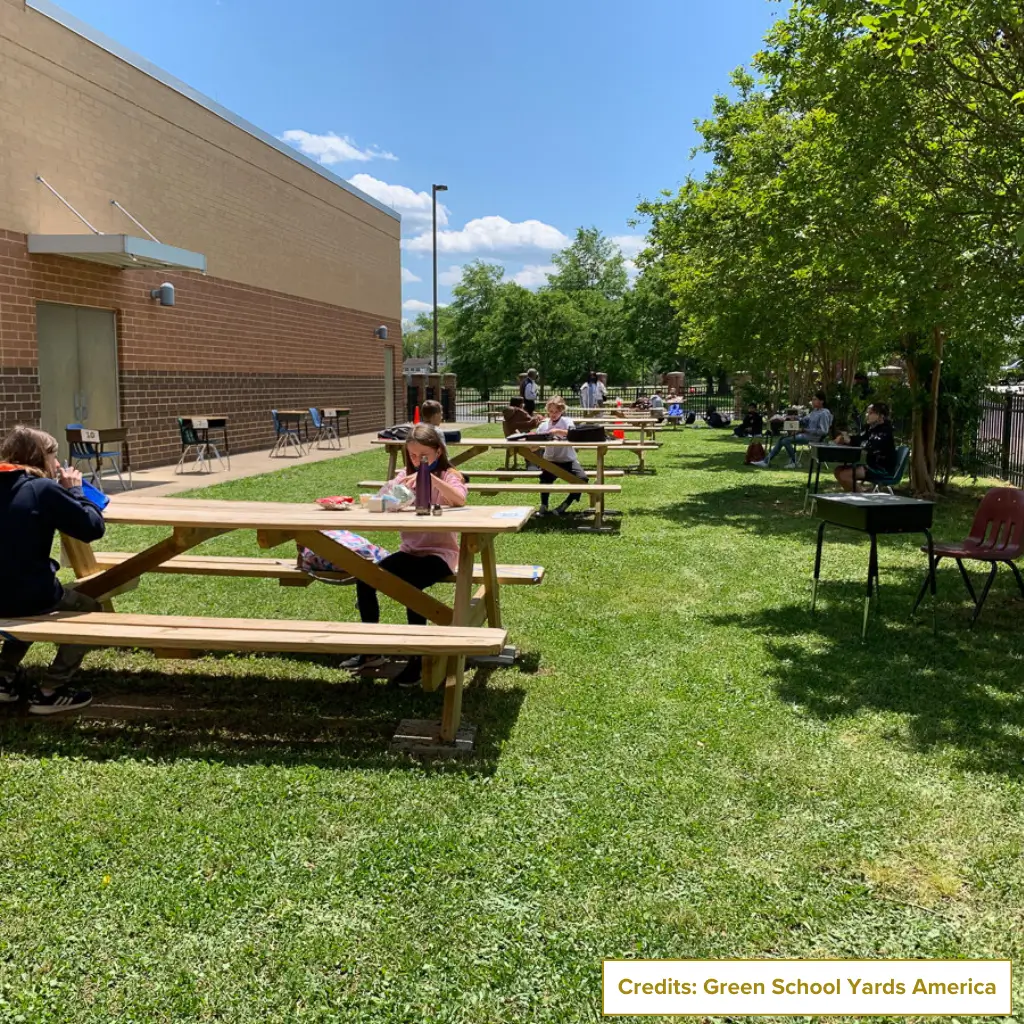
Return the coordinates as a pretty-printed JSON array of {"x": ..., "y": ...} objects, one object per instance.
[
  {"x": 586, "y": 434},
  {"x": 400, "y": 433},
  {"x": 755, "y": 453},
  {"x": 691, "y": 418}
]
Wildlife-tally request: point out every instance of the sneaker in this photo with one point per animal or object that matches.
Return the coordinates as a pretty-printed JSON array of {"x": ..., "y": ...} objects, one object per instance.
[
  {"x": 761, "y": 464},
  {"x": 9, "y": 692},
  {"x": 543, "y": 511},
  {"x": 64, "y": 698},
  {"x": 364, "y": 661},
  {"x": 410, "y": 676},
  {"x": 792, "y": 464}
]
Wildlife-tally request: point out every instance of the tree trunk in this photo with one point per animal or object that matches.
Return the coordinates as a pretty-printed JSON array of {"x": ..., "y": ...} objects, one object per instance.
[{"x": 924, "y": 372}]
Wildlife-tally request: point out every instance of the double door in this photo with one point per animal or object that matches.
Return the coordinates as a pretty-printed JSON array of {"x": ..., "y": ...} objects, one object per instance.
[{"x": 77, "y": 368}]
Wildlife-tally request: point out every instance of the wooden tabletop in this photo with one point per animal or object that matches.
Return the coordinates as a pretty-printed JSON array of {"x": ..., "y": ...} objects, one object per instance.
[
  {"x": 204, "y": 416},
  {"x": 292, "y": 412},
  {"x": 501, "y": 442},
  {"x": 273, "y": 515}
]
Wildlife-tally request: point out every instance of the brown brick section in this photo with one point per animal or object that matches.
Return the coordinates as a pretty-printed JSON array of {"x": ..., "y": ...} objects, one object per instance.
[{"x": 223, "y": 348}]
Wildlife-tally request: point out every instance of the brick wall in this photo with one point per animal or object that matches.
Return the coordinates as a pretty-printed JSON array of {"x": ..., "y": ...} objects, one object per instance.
[
  {"x": 98, "y": 129},
  {"x": 223, "y": 348}
]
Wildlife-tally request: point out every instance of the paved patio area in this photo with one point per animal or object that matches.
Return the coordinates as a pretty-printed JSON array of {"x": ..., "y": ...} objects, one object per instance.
[{"x": 162, "y": 480}]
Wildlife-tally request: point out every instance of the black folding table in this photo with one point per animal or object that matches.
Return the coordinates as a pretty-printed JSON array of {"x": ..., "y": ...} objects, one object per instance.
[{"x": 874, "y": 514}]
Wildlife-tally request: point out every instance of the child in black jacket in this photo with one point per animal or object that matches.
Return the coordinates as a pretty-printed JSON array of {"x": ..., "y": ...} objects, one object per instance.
[
  {"x": 879, "y": 446},
  {"x": 39, "y": 497}
]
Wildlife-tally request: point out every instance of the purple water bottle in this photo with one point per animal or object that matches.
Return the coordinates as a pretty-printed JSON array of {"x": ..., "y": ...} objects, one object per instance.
[{"x": 423, "y": 489}]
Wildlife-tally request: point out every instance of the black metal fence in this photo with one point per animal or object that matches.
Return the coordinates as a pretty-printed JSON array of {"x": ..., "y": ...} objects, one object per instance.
[
  {"x": 472, "y": 406},
  {"x": 998, "y": 446}
]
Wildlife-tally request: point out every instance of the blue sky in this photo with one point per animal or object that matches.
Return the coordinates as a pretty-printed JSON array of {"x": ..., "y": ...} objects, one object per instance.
[{"x": 539, "y": 115}]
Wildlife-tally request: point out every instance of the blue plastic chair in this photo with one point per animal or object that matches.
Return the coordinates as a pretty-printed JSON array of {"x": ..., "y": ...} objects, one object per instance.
[
  {"x": 90, "y": 453},
  {"x": 902, "y": 461},
  {"x": 324, "y": 430},
  {"x": 287, "y": 437}
]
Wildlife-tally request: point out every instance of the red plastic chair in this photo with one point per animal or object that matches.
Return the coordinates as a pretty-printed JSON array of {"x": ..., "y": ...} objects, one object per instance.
[{"x": 997, "y": 535}]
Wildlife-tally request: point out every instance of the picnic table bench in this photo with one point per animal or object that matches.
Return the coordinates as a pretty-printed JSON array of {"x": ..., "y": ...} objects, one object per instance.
[
  {"x": 595, "y": 492},
  {"x": 194, "y": 521}
]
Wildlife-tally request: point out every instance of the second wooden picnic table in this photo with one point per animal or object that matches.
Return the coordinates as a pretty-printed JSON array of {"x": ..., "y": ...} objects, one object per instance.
[{"x": 530, "y": 451}]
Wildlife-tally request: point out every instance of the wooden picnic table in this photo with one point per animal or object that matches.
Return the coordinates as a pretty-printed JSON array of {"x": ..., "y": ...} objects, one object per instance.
[{"x": 193, "y": 521}]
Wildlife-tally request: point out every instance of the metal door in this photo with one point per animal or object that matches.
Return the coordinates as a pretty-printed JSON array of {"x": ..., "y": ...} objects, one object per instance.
[{"x": 77, "y": 368}]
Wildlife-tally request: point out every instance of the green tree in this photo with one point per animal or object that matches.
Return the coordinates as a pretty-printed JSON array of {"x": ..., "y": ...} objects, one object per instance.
[
  {"x": 591, "y": 263},
  {"x": 475, "y": 351}
]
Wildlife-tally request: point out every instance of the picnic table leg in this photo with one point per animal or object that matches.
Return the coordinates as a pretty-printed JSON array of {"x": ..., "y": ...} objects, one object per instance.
[
  {"x": 466, "y": 454},
  {"x": 489, "y": 563},
  {"x": 105, "y": 583},
  {"x": 392, "y": 461}
]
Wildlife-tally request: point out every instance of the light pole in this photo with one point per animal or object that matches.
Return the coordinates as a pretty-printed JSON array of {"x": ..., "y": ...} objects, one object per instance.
[{"x": 434, "y": 189}]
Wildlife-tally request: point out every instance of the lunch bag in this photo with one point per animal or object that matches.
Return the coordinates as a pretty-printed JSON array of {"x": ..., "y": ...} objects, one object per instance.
[
  {"x": 310, "y": 562},
  {"x": 755, "y": 453},
  {"x": 586, "y": 435}
]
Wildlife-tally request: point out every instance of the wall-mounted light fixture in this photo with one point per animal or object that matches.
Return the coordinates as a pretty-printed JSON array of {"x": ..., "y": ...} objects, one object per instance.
[
  {"x": 381, "y": 332},
  {"x": 165, "y": 293}
]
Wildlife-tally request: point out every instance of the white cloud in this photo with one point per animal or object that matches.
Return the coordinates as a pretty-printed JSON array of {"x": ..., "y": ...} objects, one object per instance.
[
  {"x": 533, "y": 275},
  {"x": 630, "y": 244},
  {"x": 417, "y": 306},
  {"x": 450, "y": 277},
  {"x": 632, "y": 270},
  {"x": 331, "y": 148},
  {"x": 408, "y": 277},
  {"x": 415, "y": 207},
  {"x": 492, "y": 234}
]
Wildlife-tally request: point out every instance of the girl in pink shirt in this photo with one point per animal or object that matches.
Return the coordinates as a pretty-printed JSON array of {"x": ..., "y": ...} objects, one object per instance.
[{"x": 422, "y": 559}]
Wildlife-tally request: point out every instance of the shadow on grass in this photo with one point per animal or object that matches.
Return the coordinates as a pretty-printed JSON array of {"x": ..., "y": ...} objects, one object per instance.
[
  {"x": 959, "y": 688},
  {"x": 750, "y": 507},
  {"x": 260, "y": 719}
]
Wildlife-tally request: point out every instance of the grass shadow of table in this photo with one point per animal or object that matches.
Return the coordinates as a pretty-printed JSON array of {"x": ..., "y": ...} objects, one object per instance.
[
  {"x": 820, "y": 664},
  {"x": 255, "y": 718}
]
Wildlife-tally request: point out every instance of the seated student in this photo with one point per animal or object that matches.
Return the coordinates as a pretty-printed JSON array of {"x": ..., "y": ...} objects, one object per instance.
[
  {"x": 422, "y": 559},
  {"x": 515, "y": 419},
  {"x": 431, "y": 413},
  {"x": 753, "y": 423},
  {"x": 717, "y": 419},
  {"x": 558, "y": 425},
  {"x": 880, "y": 450},
  {"x": 38, "y": 497},
  {"x": 657, "y": 406},
  {"x": 815, "y": 427}
]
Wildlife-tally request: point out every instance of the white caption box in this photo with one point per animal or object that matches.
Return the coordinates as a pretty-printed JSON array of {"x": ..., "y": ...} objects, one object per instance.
[
  {"x": 91, "y": 435},
  {"x": 807, "y": 987},
  {"x": 330, "y": 413},
  {"x": 200, "y": 424}
]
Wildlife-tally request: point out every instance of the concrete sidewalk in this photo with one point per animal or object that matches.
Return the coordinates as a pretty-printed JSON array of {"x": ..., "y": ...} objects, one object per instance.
[{"x": 163, "y": 480}]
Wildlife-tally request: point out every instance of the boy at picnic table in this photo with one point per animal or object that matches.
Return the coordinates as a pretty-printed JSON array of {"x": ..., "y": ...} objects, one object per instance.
[
  {"x": 558, "y": 424},
  {"x": 515, "y": 419},
  {"x": 814, "y": 427},
  {"x": 422, "y": 559},
  {"x": 38, "y": 497},
  {"x": 879, "y": 446}
]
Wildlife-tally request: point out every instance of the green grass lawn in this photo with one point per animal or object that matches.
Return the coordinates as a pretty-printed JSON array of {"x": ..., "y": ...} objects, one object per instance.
[{"x": 685, "y": 764}]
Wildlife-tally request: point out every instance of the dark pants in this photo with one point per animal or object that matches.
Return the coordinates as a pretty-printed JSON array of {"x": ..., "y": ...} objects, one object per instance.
[
  {"x": 69, "y": 656},
  {"x": 573, "y": 467},
  {"x": 421, "y": 571},
  {"x": 530, "y": 405}
]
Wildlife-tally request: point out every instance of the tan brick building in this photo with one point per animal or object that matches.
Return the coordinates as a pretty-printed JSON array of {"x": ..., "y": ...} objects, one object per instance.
[{"x": 301, "y": 268}]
